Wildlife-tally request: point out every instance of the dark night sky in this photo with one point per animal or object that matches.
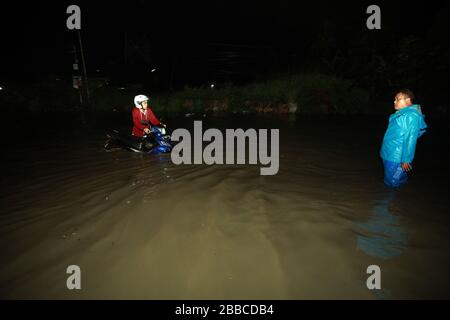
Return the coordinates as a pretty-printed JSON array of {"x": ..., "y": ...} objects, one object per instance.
[{"x": 35, "y": 40}]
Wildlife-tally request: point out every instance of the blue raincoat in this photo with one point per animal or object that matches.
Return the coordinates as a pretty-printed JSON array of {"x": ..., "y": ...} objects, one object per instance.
[{"x": 399, "y": 143}]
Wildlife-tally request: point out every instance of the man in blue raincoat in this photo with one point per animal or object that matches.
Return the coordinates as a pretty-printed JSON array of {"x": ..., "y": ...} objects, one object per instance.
[{"x": 406, "y": 125}]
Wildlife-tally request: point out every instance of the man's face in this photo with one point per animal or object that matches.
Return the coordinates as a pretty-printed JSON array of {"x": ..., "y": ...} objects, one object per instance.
[
  {"x": 144, "y": 105},
  {"x": 401, "y": 101}
]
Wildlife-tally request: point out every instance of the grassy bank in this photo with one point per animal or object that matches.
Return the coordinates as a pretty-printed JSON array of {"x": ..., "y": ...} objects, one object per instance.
[{"x": 299, "y": 94}]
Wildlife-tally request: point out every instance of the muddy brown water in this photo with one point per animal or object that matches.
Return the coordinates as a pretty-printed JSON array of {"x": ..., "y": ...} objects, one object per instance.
[{"x": 141, "y": 227}]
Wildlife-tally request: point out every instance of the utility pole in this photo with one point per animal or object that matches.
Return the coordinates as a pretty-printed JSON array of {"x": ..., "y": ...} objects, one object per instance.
[
  {"x": 76, "y": 73},
  {"x": 84, "y": 67}
]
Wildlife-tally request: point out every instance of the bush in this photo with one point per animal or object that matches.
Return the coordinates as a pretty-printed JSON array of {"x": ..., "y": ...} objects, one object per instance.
[
  {"x": 313, "y": 93},
  {"x": 111, "y": 98},
  {"x": 49, "y": 96}
]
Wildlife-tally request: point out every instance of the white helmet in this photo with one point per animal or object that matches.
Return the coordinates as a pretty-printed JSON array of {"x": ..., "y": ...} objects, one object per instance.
[{"x": 139, "y": 99}]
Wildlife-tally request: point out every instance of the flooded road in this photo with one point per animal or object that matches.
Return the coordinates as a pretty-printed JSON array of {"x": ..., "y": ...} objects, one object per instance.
[{"x": 140, "y": 227}]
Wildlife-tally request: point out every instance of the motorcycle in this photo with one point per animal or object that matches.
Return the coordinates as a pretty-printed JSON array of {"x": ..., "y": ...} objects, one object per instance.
[{"x": 157, "y": 141}]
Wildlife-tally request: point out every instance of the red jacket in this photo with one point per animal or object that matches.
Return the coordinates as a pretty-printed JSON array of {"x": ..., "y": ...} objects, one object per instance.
[{"x": 142, "y": 120}]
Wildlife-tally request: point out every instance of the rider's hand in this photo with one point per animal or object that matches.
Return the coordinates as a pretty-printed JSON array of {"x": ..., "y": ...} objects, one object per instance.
[
  {"x": 406, "y": 166},
  {"x": 163, "y": 124},
  {"x": 147, "y": 130}
]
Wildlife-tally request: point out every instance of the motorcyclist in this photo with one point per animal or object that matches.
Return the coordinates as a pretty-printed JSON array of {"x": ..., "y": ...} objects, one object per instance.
[
  {"x": 143, "y": 117},
  {"x": 143, "y": 138}
]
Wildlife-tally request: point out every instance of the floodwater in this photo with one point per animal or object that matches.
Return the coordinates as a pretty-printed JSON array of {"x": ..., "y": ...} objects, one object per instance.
[{"x": 140, "y": 227}]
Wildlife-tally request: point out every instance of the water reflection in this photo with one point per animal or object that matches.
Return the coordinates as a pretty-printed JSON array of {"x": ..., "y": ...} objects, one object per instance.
[{"x": 384, "y": 238}]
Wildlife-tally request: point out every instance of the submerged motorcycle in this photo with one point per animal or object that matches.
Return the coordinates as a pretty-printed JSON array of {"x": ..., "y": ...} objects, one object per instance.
[{"x": 157, "y": 141}]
